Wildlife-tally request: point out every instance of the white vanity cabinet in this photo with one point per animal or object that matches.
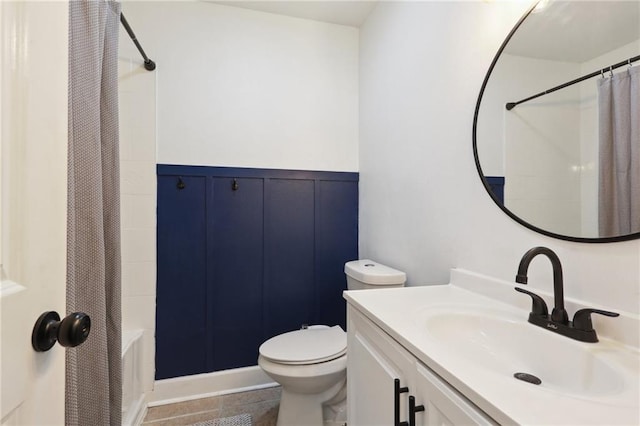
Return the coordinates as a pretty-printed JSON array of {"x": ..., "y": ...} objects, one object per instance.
[{"x": 375, "y": 361}]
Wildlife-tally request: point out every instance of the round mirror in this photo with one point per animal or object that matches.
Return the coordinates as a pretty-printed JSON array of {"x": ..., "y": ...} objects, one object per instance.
[{"x": 556, "y": 132}]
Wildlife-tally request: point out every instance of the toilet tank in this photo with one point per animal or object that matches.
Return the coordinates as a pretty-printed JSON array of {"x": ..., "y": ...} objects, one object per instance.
[{"x": 367, "y": 274}]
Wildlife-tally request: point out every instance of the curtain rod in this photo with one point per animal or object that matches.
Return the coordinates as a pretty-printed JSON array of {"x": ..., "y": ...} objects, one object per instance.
[
  {"x": 610, "y": 68},
  {"x": 149, "y": 65}
]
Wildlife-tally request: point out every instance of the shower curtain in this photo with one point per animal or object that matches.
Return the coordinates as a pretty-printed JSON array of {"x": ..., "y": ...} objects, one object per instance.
[
  {"x": 93, "y": 388},
  {"x": 619, "y": 163}
]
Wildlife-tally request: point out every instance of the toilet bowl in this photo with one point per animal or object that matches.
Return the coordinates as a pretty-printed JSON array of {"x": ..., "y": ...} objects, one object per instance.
[{"x": 311, "y": 364}]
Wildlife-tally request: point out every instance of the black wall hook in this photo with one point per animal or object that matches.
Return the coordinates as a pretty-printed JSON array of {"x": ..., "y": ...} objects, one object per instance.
[
  {"x": 180, "y": 184},
  {"x": 234, "y": 185}
]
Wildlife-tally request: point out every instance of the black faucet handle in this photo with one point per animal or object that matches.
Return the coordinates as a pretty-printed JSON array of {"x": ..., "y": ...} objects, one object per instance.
[
  {"x": 538, "y": 307},
  {"x": 582, "y": 318}
]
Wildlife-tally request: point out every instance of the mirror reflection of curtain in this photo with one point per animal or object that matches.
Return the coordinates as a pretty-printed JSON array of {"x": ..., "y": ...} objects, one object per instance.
[{"x": 619, "y": 164}]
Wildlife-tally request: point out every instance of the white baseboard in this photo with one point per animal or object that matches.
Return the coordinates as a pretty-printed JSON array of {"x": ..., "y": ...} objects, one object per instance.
[{"x": 198, "y": 386}]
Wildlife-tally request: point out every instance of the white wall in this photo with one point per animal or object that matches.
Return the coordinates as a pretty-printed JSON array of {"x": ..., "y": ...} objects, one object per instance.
[
  {"x": 243, "y": 88},
  {"x": 423, "y": 208}
]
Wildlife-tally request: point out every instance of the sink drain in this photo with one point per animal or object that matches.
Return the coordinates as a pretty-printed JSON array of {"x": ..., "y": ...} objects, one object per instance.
[{"x": 526, "y": 377}]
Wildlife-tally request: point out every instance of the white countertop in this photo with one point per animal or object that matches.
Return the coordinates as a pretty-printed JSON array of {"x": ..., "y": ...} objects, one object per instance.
[{"x": 505, "y": 399}]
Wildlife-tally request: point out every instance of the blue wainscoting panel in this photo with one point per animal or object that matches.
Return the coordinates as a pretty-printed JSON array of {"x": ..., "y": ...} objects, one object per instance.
[
  {"x": 235, "y": 260},
  {"x": 336, "y": 240},
  {"x": 496, "y": 183},
  {"x": 181, "y": 293},
  {"x": 289, "y": 254},
  {"x": 240, "y": 263}
]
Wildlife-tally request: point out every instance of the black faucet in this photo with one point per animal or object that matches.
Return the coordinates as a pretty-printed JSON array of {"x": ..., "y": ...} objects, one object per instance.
[
  {"x": 558, "y": 314},
  {"x": 581, "y": 327}
]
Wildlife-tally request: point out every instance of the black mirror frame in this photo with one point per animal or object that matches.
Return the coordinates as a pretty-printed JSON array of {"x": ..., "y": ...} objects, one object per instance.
[{"x": 495, "y": 199}]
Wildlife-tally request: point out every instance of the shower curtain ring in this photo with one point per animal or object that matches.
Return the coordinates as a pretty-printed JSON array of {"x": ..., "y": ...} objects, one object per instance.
[{"x": 611, "y": 71}]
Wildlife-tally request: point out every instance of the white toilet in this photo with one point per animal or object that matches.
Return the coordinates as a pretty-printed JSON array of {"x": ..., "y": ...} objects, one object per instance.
[{"x": 311, "y": 364}]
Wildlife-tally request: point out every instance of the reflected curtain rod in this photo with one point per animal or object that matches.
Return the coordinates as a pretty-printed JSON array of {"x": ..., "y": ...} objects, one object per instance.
[
  {"x": 149, "y": 65},
  {"x": 610, "y": 68}
]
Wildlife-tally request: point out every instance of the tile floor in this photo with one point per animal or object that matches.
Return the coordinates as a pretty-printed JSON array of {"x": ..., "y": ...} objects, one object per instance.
[{"x": 261, "y": 404}]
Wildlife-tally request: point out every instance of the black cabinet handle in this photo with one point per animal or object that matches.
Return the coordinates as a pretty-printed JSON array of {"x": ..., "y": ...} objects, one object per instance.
[
  {"x": 413, "y": 409},
  {"x": 397, "y": 390},
  {"x": 72, "y": 331}
]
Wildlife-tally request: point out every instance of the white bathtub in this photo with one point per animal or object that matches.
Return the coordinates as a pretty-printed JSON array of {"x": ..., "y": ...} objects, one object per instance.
[{"x": 133, "y": 401}]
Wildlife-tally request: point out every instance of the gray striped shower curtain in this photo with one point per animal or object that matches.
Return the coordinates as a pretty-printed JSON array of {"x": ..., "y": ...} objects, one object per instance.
[
  {"x": 619, "y": 162},
  {"x": 93, "y": 388}
]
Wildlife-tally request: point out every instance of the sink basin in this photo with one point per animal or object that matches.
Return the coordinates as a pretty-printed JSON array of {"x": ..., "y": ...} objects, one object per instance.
[
  {"x": 473, "y": 333},
  {"x": 504, "y": 344}
]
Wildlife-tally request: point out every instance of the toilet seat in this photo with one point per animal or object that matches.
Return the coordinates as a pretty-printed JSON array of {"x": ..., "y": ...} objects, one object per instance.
[{"x": 316, "y": 344}]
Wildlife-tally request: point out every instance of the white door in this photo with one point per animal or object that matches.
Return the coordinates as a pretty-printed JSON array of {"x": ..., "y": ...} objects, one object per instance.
[{"x": 33, "y": 178}]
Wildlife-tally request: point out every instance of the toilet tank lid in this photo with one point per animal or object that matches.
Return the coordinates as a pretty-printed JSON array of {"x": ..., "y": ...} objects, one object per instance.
[{"x": 370, "y": 272}]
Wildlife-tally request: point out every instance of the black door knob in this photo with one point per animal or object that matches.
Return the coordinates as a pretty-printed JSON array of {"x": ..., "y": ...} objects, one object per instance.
[{"x": 70, "y": 332}]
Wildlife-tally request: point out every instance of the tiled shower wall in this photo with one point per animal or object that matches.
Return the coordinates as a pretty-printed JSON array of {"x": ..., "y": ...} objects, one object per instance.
[{"x": 137, "y": 91}]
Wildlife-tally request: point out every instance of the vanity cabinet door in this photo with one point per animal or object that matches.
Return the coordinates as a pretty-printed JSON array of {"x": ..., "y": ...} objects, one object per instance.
[
  {"x": 374, "y": 361},
  {"x": 443, "y": 404}
]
